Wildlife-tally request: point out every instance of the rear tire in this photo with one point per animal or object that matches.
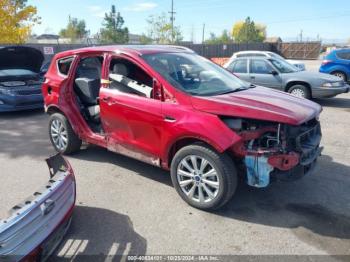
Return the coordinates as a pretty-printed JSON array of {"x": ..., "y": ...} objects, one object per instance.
[
  {"x": 300, "y": 91},
  {"x": 204, "y": 178},
  {"x": 341, "y": 75},
  {"x": 62, "y": 136}
]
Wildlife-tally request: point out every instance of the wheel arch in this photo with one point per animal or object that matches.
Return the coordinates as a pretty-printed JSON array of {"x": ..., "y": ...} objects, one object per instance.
[
  {"x": 185, "y": 141},
  {"x": 52, "y": 109},
  {"x": 297, "y": 82}
]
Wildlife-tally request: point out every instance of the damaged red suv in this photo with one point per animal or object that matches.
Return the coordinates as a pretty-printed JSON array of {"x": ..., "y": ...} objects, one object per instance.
[{"x": 167, "y": 106}]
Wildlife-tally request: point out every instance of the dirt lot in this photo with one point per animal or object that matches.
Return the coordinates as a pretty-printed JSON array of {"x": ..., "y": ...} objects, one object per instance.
[{"x": 127, "y": 207}]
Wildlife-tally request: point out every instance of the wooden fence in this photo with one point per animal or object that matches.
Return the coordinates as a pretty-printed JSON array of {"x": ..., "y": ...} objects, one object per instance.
[{"x": 300, "y": 50}]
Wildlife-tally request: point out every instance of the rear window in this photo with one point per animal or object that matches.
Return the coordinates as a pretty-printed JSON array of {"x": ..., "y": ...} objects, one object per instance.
[
  {"x": 239, "y": 66},
  {"x": 344, "y": 55},
  {"x": 63, "y": 65}
]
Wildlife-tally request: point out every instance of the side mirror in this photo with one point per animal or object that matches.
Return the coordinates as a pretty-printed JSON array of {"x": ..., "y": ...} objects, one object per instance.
[
  {"x": 157, "y": 90},
  {"x": 274, "y": 72}
]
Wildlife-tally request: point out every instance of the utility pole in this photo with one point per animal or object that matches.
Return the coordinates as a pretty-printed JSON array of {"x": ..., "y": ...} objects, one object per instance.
[
  {"x": 203, "y": 33},
  {"x": 301, "y": 35},
  {"x": 172, "y": 19}
]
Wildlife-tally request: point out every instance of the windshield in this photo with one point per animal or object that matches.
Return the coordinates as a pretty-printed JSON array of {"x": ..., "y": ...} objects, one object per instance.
[
  {"x": 194, "y": 74},
  {"x": 283, "y": 66}
]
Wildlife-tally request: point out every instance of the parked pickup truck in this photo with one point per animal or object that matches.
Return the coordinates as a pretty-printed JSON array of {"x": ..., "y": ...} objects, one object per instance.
[{"x": 167, "y": 106}]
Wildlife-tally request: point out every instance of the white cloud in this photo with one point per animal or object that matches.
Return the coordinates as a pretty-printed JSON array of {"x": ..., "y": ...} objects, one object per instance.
[
  {"x": 141, "y": 7},
  {"x": 97, "y": 11}
]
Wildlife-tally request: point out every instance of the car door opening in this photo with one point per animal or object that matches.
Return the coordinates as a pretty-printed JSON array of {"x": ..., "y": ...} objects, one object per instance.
[{"x": 87, "y": 85}]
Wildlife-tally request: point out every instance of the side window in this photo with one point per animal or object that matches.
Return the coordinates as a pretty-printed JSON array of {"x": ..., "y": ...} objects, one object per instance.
[
  {"x": 344, "y": 55},
  {"x": 64, "y": 64},
  {"x": 260, "y": 67},
  {"x": 240, "y": 66},
  {"x": 129, "y": 78}
]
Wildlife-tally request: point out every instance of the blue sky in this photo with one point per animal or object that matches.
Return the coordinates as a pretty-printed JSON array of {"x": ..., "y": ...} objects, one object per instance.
[{"x": 330, "y": 19}]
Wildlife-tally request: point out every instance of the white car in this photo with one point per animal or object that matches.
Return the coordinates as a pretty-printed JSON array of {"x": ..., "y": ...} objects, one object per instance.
[{"x": 298, "y": 64}]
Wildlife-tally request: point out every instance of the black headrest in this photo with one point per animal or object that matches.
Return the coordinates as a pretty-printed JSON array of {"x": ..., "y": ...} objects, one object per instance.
[{"x": 88, "y": 72}]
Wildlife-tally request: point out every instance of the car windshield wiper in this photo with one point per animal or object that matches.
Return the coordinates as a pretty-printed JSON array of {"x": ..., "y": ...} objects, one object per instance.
[{"x": 233, "y": 91}]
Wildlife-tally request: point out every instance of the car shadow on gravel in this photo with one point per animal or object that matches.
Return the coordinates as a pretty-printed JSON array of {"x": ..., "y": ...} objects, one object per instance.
[
  {"x": 98, "y": 234},
  {"x": 99, "y": 154},
  {"x": 316, "y": 208},
  {"x": 24, "y": 133},
  {"x": 337, "y": 102}
]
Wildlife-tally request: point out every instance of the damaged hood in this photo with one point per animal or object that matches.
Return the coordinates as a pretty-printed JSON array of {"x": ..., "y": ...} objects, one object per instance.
[
  {"x": 260, "y": 103},
  {"x": 21, "y": 57}
]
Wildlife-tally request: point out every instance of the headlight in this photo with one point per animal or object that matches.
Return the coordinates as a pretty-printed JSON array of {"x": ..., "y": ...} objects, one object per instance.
[
  {"x": 333, "y": 84},
  {"x": 6, "y": 92}
]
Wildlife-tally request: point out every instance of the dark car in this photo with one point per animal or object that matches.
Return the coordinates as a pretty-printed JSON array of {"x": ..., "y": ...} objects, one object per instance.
[
  {"x": 20, "y": 80},
  {"x": 174, "y": 109},
  {"x": 337, "y": 63},
  {"x": 280, "y": 75}
]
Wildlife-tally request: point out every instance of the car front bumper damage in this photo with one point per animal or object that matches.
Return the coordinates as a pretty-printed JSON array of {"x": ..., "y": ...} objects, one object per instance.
[
  {"x": 36, "y": 226},
  {"x": 293, "y": 155}
]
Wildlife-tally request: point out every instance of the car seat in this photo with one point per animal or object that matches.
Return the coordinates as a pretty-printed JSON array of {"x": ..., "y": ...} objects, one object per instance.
[{"x": 87, "y": 87}]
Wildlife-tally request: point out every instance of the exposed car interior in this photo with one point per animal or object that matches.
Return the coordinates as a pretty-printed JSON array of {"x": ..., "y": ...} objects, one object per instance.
[
  {"x": 87, "y": 85},
  {"x": 125, "y": 76},
  {"x": 129, "y": 78}
]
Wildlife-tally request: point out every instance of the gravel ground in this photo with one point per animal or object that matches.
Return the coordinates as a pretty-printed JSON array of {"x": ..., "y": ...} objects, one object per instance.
[{"x": 127, "y": 207}]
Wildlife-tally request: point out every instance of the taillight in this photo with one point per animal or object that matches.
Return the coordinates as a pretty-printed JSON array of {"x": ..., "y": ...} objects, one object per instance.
[{"x": 325, "y": 62}]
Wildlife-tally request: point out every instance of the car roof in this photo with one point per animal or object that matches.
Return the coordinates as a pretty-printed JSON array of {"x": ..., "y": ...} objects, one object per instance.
[
  {"x": 127, "y": 49},
  {"x": 254, "y": 57},
  {"x": 342, "y": 50},
  {"x": 251, "y": 51}
]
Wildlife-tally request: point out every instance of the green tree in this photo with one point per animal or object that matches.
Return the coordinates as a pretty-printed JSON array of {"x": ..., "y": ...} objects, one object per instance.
[
  {"x": 75, "y": 29},
  {"x": 248, "y": 32},
  {"x": 113, "y": 30},
  {"x": 16, "y": 21},
  {"x": 145, "y": 40},
  {"x": 224, "y": 38},
  {"x": 160, "y": 30}
]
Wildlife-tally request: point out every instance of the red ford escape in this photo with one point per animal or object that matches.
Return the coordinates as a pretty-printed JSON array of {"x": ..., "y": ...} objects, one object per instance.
[{"x": 172, "y": 108}]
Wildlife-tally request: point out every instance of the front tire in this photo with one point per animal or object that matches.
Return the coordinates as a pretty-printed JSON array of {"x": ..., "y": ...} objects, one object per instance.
[
  {"x": 204, "y": 178},
  {"x": 62, "y": 136},
  {"x": 300, "y": 91}
]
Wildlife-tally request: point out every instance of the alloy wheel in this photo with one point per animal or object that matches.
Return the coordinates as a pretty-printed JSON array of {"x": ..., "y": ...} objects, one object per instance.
[
  {"x": 198, "y": 179},
  {"x": 298, "y": 92},
  {"x": 340, "y": 75},
  {"x": 59, "y": 134}
]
